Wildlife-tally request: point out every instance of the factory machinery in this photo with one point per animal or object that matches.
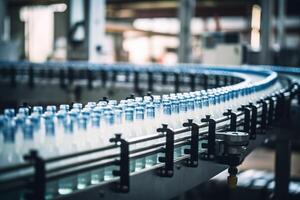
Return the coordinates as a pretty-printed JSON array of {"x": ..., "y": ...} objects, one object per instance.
[{"x": 147, "y": 146}]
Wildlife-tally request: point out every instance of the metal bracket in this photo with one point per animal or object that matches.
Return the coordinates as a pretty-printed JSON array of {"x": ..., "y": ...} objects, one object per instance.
[
  {"x": 39, "y": 185},
  {"x": 246, "y": 111},
  {"x": 225, "y": 80},
  {"x": 168, "y": 159},
  {"x": 211, "y": 139},
  {"x": 253, "y": 120},
  {"x": 233, "y": 118},
  {"x": 263, "y": 120},
  {"x": 271, "y": 110},
  {"x": 193, "y": 151},
  {"x": 279, "y": 105},
  {"x": 123, "y": 172},
  {"x": 176, "y": 83}
]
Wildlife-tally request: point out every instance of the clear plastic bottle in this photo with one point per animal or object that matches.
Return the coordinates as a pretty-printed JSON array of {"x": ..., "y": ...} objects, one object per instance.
[
  {"x": 8, "y": 155},
  {"x": 128, "y": 131},
  {"x": 83, "y": 179},
  {"x": 151, "y": 123},
  {"x": 175, "y": 112},
  {"x": 139, "y": 130},
  {"x": 97, "y": 175},
  {"x": 28, "y": 139},
  {"x": 109, "y": 127}
]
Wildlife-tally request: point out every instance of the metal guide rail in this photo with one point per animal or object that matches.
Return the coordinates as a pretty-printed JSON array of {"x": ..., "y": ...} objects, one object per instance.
[{"x": 218, "y": 140}]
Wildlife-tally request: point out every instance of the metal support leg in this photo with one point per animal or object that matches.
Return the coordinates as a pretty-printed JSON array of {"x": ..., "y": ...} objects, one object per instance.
[
  {"x": 186, "y": 13},
  {"x": 205, "y": 81},
  {"x": 193, "y": 82},
  {"x": 176, "y": 83},
  {"x": 31, "y": 77},
  {"x": 136, "y": 82},
  {"x": 70, "y": 76},
  {"x": 283, "y": 149},
  {"x": 104, "y": 78},
  {"x": 39, "y": 185},
  {"x": 13, "y": 74},
  {"x": 150, "y": 81},
  {"x": 282, "y": 167},
  {"x": 62, "y": 77}
]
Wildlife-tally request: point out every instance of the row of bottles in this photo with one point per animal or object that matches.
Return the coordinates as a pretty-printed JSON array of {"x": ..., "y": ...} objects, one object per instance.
[{"x": 68, "y": 129}]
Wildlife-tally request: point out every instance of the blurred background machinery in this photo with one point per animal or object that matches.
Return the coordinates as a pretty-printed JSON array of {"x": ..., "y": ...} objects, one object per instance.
[{"x": 248, "y": 31}]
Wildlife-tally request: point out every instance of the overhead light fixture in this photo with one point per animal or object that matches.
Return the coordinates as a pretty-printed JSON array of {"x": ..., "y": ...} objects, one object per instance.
[{"x": 255, "y": 27}]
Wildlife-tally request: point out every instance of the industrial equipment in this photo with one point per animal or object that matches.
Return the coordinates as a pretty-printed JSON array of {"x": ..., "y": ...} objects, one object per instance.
[{"x": 148, "y": 147}]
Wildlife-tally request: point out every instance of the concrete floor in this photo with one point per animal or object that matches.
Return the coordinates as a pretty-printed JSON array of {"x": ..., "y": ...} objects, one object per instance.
[{"x": 264, "y": 159}]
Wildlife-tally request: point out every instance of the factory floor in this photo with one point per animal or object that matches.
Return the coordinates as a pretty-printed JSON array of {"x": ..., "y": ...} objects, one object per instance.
[{"x": 264, "y": 159}]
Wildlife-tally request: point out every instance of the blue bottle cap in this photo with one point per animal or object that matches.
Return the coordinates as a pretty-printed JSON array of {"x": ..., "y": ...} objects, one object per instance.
[
  {"x": 38, "y": 110},
  {"x": 64, "y": 107},
  {"x": 9, "y": 112},
  {"x": 24, "y": 111},
  {"x": 77, "y": 106},
  {"x": 51, "y": 108}
]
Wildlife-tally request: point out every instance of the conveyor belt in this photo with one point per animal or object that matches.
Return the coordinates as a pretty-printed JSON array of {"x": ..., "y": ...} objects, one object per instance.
[{"x": 40, "y": 176}]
